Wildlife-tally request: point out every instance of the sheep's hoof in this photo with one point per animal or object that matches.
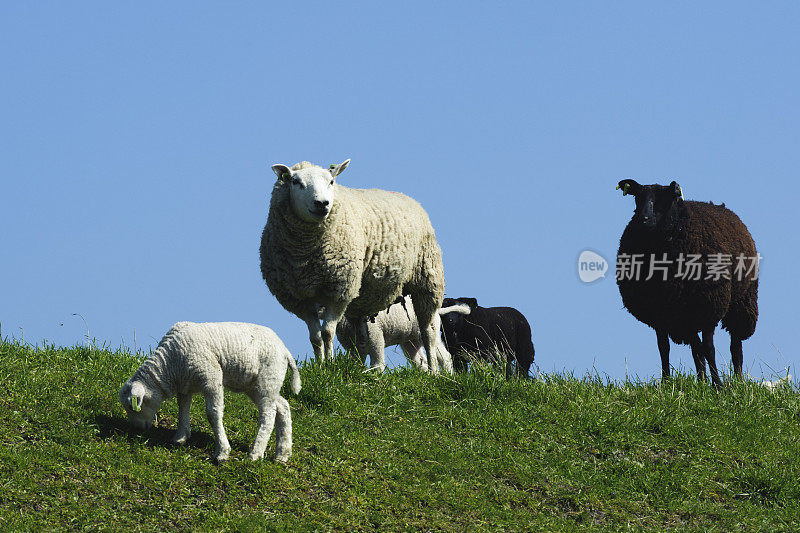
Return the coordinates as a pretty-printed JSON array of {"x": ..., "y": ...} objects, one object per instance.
[
  {"x": 181, "y": 438},
  {"x": 282, "y": 458},
  {"x": 220, "y": 457},
  {"x": 254, "y": 457}
]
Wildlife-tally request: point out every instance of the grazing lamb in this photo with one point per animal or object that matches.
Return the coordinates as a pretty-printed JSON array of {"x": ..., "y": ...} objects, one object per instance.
[
  {"x": 777, "y": 384},
  {"x": 203, "y": 358},
  {"x": 354, "y": 251},
  {"x": 479, "y": 330},
  {"x": 395, "y": 325},
  {"x": 682, "y": 246}
]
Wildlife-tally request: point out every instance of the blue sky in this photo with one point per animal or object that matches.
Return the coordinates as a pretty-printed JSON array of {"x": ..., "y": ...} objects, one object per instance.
[{"x": 137, "y": 140}]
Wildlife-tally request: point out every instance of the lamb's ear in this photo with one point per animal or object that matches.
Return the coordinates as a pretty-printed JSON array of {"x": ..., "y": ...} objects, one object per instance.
[
  {"x": 282, "y": 171},
  {"x": 629, "y": 187},
  {"x": 137, "y": 396},
  {"x": 338, "y": 169},
  {"x": 676, "y": 189}
]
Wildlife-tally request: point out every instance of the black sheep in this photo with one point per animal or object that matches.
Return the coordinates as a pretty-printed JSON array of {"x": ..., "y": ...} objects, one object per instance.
[
  {"x": 484, "y": 329},
  {"x": 668, "y": 235}
]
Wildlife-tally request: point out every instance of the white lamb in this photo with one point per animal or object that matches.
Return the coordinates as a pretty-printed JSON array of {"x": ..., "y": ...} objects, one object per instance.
[
  {"x": 354, "y": 251},
  {"x": 395, "y": 325},
  {"x": 205, "y": 358}
]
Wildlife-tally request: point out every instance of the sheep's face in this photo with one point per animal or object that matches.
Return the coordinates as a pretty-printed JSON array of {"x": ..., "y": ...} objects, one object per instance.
[
  {"x": 311, "y": 189},
  {"x": 653, "y": 202},
  {"x": 140, "y": 403},
  {"x": 452, "y": 322}
]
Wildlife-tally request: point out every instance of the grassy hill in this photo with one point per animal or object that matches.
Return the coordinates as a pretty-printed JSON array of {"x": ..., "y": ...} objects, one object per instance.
[{"x": 399, "y": 451}]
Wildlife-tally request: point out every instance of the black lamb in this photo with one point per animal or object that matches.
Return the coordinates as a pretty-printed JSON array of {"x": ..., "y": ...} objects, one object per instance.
[
  {"x": 483, "y": 329},
  {"x": 702, "y": 266}
]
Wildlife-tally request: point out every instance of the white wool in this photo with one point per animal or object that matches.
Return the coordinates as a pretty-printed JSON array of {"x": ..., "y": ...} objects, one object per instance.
[
  {"x": 207, "y": 358},
  {"x": 348, "y": 251},
  {"x": 776, "y": 384},
  {"x": 396, "y": 325},
  {"x": 462, "y": 309}
]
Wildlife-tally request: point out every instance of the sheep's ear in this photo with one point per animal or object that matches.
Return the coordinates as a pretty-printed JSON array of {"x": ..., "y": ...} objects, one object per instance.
[
  {"x": 676, "y": 189},
  {"x": 137, "y": 396},
  {"x": 282, "y": 171},
  {"x": 629, "y": 187},
  {"x": 471, "y": 302},
  {"x": 338, "y": 169}
]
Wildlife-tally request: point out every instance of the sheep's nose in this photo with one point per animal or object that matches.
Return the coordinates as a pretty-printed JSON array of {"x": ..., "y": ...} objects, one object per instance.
[{"x": 321, "y": 204}]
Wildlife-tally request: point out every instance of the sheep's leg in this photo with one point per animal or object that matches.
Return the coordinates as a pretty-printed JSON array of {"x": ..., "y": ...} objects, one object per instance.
[
  {"x": 315, "y": 336},
  {"x": 699, "y": 358},
  {"x": 376, "y": 350},
  {"x": 416, "y": 354},
  {"x": 737, "y": 357},
  {"x": 283, "y": 430},
  {"x": 708, "y": 348},
  {"x": 333, "y": 314},
  {"x": 460, "y": 361},
  {"x": 511, "y": 361},
  {"x": 429, "y": 342},
  {"x": 184, "y": 419},
  {"x": 425, "y": 316},
  {"x": 266, "y": 420},
  {"x": 663, "y": 350},
  {"x": 215, "y": 407},
  {"x": 352, "y": 343},
  {"x": 443, "y": 356}
]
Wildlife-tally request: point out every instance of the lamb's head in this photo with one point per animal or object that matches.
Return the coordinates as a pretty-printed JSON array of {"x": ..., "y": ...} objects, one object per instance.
[
  {"x": 453, "y": 313},
  {"x": 141, "y": 403},
  {"x": 311, "y": 188},
  {"x": 654, "y": 203}
]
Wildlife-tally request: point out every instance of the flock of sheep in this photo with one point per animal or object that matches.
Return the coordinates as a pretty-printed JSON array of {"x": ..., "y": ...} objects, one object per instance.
[{"x": 365, "y": 266}]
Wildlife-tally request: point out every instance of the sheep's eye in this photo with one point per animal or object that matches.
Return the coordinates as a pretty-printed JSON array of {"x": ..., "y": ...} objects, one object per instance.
[
  {"x": 297, "y": 182},
  {"x": 331, "y": 182}
]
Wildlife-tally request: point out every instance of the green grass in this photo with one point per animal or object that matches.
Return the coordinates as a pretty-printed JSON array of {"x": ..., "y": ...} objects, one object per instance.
[{"x": 399, "y": 451}]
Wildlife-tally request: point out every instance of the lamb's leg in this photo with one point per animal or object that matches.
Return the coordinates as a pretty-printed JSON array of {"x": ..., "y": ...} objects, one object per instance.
[
  {"x": 699, "y": 358},
  {"x": 377, "y": 356},
  {"x": 266, "y": 420},
  {"x": 283, "y": 431},
  {"x": 184, "y": 430},
  {"x": 737, "y": 357},
  {"x": 416, "y": 354},
  {"x": 708, "y": 348},
  {"x": 663, "y": 350},
  {"x": 215, "y": 407}
]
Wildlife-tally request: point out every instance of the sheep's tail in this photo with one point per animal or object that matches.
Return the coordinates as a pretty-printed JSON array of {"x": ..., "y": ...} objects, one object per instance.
[
  {"x": 461, "y": 309},
  {"x": 295, "y": 373}
]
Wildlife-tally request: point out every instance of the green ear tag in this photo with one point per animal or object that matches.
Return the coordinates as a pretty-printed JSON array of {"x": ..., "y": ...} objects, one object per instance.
[
  {"x": 285, "y": 176},
  {"x": 135, "y": 404},
  {"x": 681, "y": 189},
  {"x": 625, "y": 189},
  {"x": 333, "y": 166}
]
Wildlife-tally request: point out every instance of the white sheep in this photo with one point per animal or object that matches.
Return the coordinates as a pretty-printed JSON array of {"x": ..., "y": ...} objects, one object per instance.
[
  {"x": 354, "y": 251},
  {"x": 395, "y": 325},
  {"x": 205, "y": 358}
]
